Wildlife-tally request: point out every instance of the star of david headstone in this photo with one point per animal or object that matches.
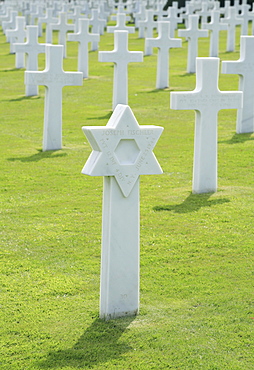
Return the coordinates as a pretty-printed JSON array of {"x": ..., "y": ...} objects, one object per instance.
[{"x": 122, "y": 150}]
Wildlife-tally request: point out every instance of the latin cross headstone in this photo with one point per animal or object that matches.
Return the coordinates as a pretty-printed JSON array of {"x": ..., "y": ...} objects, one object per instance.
[
  {"x": 47, "y": 19},
  {"x": 76, "y": 16},
  {"x": 96, "y": 22},
  {"x": 192, "y": 34},
  {"x": 62, "y": 27},
  {"x": 97, "y": 25},
  {"x": 246, "y": 17},
  {"x": 6, "y": 16},
  {"x": 159, "y": 12},
  {"x": 189, "y": 10},
  {"x": 215, "y": 26},
  {"x": 31, "y": 48},
  {"x": 244, "y": 67},
  {"x": 174, "y": 20},
  {"x": 18, "y": 35},
  {"x": 83, "y": 37},
  {"x": 146, "y": 28},
  {"x": 10, "y": 24},
  {"x": 140, "y": 15},
  {"x": 164, "y": 43},
  {"x": 122, "y": 151},
  {"x": 54, "y": 78},
  {"x": 206, "y": 100},
  {"x": 120, "y": 25},
  {"x": 204, "y": 13},
  {"x": 121, "y": 57},
  {"x": 36, "y": 14},
  {"x": 232, "y": 20}
]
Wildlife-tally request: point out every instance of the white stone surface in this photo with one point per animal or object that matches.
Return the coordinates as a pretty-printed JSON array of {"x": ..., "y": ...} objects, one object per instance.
[
  {"x": 232, "y": 20},
  {"x": 215, "y": 26},
  {"x": 206, "y": 100},
  {"x": 164, "y": 43},
  {"x": 120, "y": 24},
  {"x": 31, "y": 48},
  {"x": 121, "y": 57},
  {"x": 174, "y": 20},
  {"x": 62, "y": 27},
  {"x": 244, "y": 67},
  {"x": 18, "y": 35},
  {"x": 47, "y": 19},
  {"x": 192, "y": 34},
  {"x": 54, "y": 78},
  {"x": 76, "y": 16},
  {"x": 122, "y": 151},
  {"x": 83, "y": 37}
]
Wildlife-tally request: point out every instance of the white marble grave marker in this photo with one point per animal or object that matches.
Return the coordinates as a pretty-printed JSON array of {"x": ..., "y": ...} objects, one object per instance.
[
  {"x": 164, "y": 43},
  {"x": 232, "y": 20},
  {"x": 174, "y": 19},
  {"x": 62, "y": 27},
  {"x": 206, "y": 100},
  {"x": 215, "y": 26},
  {"x": 83, "y": 37},
  {"x": 122, "y": 151},
  {"x": 18, "y": 35},
  {"x": 244, "y": 67},
  {"x": 192, "y": 34},
  {"x": 120, "y": 24},
  {"x": 54, "y": 79},
  {"x": 121, "y": 57},
  {"x": 31, "y": 48},
  {"x": 47, "y": 19}
]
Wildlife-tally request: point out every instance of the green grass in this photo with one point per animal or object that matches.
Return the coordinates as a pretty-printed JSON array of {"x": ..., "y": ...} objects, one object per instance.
[{"x": 196, "y": 295}]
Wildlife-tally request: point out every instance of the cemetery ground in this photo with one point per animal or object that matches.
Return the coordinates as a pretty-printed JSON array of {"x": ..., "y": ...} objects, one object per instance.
[{"x": 196, "y": 262}]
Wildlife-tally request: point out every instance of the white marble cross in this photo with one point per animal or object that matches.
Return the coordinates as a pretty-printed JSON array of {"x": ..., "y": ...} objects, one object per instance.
[
  {"x": 18, "y": 35},
  {"x": 54, "y": 79},
  {"x": 204, "y": 13},
  {"x": 98, "y": 26},
  {"x": 121, "y": 57},
  {"x": 206, "y": 100},
  {"x": 164, "y": 43},
  {"x": 122, "y": 151},
  {"x": 174, "y": 19},
  {"x": 246, "y": 16},
  {"x": 215, "y": 26},
  {"x": 83, "y": 37},
  {"x": 62, "y": 27},
  {"x": 10, "y": 24},
  {"x": 146, "y": 28},
  {"x": 76, "y": 16},
  {"x": 47, "y": 19},
  {"x": 244, "y": 67},
  {"x": 31, "y": 48},
  {"x": 120, "y": 24},
  {"x": 232, "y": 20},
  {"x": 192, "y": 34}
]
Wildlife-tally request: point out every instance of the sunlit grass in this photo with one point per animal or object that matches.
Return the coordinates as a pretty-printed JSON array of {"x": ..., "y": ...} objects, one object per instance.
[{"x": 196, "y": 298}]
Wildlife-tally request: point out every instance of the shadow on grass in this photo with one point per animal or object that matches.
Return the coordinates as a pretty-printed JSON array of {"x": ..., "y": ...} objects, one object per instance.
[
  {"x": 21, "y": 98},
  {"x": 238, "y": 138},
  {"x": 99, "y": 343},
  {"x": 192, "y": 203},
  {"x": 107, "y": 116},
  {"x": 12, "y": 69},
  {"x": 38, "y": 156}
]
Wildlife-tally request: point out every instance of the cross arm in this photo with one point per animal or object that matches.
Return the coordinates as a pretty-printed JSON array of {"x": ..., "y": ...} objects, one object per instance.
[
  {"x": 189, "y": 100},
  {"x": 232, "y": 67}
]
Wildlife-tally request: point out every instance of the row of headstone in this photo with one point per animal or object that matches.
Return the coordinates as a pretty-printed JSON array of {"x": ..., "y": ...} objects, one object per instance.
[{"x": 122, "y": 151}]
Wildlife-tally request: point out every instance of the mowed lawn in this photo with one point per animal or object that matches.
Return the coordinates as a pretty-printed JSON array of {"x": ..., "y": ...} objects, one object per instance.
[{"x": 196, "y": 263}]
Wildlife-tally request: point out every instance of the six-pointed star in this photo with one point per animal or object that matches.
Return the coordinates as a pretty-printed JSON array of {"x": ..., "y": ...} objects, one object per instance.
[{"x": 122, "y": 149}]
